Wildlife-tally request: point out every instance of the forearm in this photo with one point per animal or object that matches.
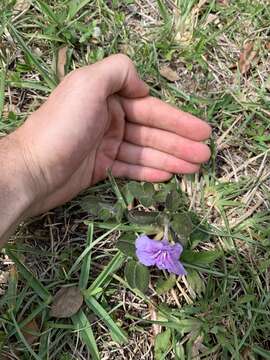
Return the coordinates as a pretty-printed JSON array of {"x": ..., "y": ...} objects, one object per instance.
[{"x": 15, "y": 198}]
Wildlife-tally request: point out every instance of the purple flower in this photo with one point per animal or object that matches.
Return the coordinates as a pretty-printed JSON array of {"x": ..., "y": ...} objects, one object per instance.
[{"x": 160, "y": 253}]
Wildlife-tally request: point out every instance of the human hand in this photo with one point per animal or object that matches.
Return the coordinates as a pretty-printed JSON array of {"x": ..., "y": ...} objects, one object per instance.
[{"x": 101, "y": 117}]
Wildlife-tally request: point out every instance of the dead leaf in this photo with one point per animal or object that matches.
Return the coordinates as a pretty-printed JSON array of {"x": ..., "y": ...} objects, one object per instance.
[
  {"x": 61, "y": 62},
  {"x": 31, "y": 332},
  {"x": 267, "y": 45},
  {"x": 246, "y": 57},
  {"x": 168, "y": 73},
  {"x": 66, "y": 302},
  {"x": 21, "y": 5}
]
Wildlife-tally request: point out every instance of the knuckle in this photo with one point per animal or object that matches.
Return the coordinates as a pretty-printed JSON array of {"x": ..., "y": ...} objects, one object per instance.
[
  {"x": 77, "y": 77},
  {"x": 124, "y": 61}
]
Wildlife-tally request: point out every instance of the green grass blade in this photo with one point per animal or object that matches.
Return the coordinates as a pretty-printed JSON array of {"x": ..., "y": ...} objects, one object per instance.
[
  {"x": 30, "y": 317},
  {"x": 117, "y": 333},
  {"x": 75, "y": 6},
  {"x": 84, "y": 276},
  {"x": 33, "y": 282},
  {"x": 262, "y": 352},
  {"x": 147, "y": 229},
  {"x": 88, "y": 248},
  {"x": 46, "y": 10},
  {"x": 22, "y": 338},
  {"x": 84, "y": 328},
  {"x": 2, "y": 90},
  {"x": 164, "y": 12},
  {"x": 12, "y": 292},
  {"x": 113, "y": 265},
  {"x": 117, "y": 191},
  {"x": 43, "y": 350},
  {"x": 51, "y": 82},
  {"x": 28, "y": 84}
]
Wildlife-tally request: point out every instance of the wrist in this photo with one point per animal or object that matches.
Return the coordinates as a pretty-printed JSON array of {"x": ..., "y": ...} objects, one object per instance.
[{"x": 16, "y": 195}]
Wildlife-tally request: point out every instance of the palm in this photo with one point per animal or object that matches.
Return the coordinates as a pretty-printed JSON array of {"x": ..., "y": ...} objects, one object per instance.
[
  {"x": 108, "y": 148},
  {"x": 110, "y": 122}
]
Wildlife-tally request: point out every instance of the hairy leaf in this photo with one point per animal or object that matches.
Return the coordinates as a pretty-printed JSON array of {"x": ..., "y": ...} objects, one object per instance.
[{"x": 137, "y": 275}]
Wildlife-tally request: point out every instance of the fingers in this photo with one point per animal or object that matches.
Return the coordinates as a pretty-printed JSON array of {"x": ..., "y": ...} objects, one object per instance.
[
  {"x": 149, "y": 157},
  {"x": 170, "y": 143},
  {"x": 137, "y": 172},
  {"x": 117, "y": 74},
  {"x": 155, "y": 113}
]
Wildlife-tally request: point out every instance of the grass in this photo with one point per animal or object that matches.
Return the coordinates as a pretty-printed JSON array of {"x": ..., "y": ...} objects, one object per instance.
[{"x": 221, "y": 310}]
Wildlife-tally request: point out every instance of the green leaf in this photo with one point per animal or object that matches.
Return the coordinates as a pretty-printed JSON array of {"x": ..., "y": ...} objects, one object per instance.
[
  {"x": 126, "y": 244},
  {"x": 118, "y": 334},
  {"x": 163, "y": 191},
  {"x": 143, "y": 192},
  {"x": 142, "y": 217},
  {"x": 199, "y": 235},
  {"x": 148, "y": 189},
  {"x": 135, "y": 188},
  {"x": 102, "y": 209},
  {"x": 137, "y": 275},
  {"x": 195, "y": 282},
  {"x": 127, "y": 194},
  {"x": 146, "y": 201},
  {"x": 182, "y": 226},
  {"x": 164, "y": 285},
  {"x": 174, "y": 201},
  {"x": 91, "y": 204},
  {"x": 84, "y": 328},
  {"x": 162, "y": 344},
  {"x": 200, "y": 257}
]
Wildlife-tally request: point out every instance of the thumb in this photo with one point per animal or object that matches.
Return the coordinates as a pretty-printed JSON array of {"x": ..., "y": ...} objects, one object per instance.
[{"x": 117, "y": 74}]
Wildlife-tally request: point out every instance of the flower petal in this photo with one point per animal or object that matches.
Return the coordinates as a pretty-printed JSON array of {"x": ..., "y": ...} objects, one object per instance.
[
  {"x": 147, "y": 250},
  {"x": 176, "y": 251},
  {"x": 145, "y": 259},
  {"x": 175, "y": 267},
  {"x": 144, "y": 243}
]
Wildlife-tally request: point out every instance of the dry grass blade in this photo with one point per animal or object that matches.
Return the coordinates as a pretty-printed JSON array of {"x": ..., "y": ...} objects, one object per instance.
[
  {"x": 61, "y": 62},
  {"x": 247, "y": 55}
]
